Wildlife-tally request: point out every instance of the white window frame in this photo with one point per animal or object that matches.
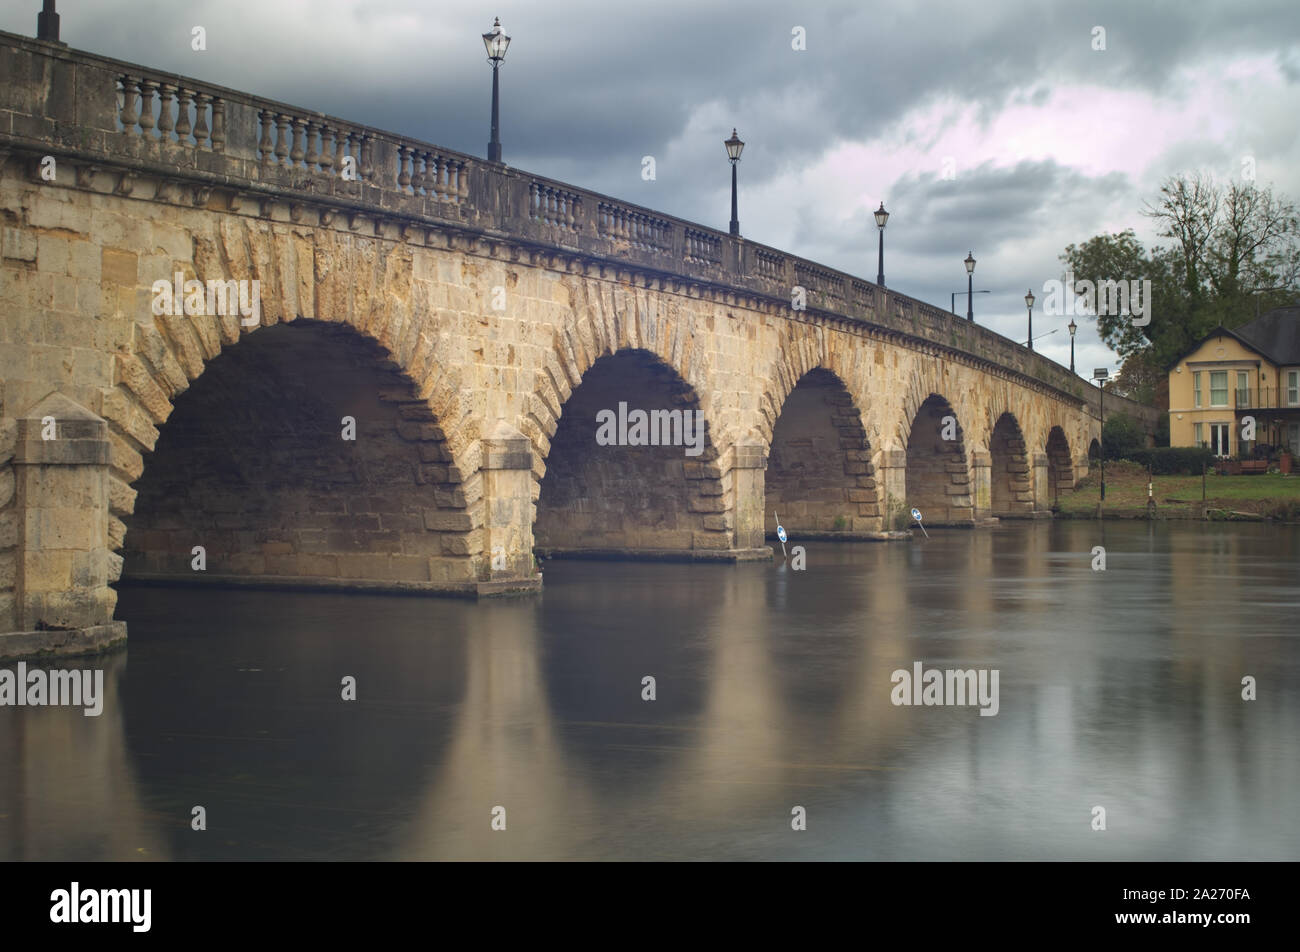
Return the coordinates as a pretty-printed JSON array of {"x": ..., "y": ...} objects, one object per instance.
[
  {"x": 1224, "y": 449},
  {"x": 1243, "y": 389},
  {"x": 1198, "y": 434},
  {"x": 1293, "y": 388},
  {"x": 1225, "y": 388},
  {"x": 1196, "y": 389}
]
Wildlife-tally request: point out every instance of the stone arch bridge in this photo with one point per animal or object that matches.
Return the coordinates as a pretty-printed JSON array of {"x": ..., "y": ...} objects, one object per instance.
[{"x": 466, "y": 322}]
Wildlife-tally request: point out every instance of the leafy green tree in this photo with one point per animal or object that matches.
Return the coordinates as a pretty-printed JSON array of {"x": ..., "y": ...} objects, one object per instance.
[{"x": 1233, "y": 252}]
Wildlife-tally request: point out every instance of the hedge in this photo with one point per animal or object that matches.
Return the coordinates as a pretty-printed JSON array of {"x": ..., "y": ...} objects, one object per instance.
[{"x": 1174, "y": 460}]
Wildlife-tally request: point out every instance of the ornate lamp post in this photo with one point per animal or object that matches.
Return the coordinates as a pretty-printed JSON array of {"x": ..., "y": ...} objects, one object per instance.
[
  {"x": 882, "y": 216},
  {"x": 1073, "y": 327},
  {"x": 1029, "y": 303},
  {"x": 734, "y": 148},
  {"x": 1100, "y": 375},
  {"x": 970, "y": 294},
  {"x": 496, "y": 43}
]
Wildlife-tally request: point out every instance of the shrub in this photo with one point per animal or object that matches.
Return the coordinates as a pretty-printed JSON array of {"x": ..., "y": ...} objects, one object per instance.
[{"x": 1121, "y": 436}]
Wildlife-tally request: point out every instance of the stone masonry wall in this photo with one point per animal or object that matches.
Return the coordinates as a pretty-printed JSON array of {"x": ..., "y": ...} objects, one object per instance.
[{"x": 490, "y": 334}]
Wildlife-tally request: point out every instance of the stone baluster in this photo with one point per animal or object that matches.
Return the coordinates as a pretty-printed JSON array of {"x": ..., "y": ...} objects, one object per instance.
[
  {"x": 462, "y": 182},
  {"x": 368, "y": 158},
  {"x": 218, "y": 125},
  {"x": 282, "y": 140},
  {"x": 129, "y": 115},
  {"x": 327, "y": 148},
  {"x": 267, "y": 145},
  {"x": 433, "y": 177},
  {"x": 299, "y": 145},
  {"x": 167, "y": 93},
  {"x": 147, "y": 86},
  {"x": 403, "y": 169},
  {"x": 183, "y": 117},
  {"x": 420, "y": 181},
  {"x": 350, "y": 140},
  {"x": 313, "y": 151},
  {"x": 201, "y": 102}
]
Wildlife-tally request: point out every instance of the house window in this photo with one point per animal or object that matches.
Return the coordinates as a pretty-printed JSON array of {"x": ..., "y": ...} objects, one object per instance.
[
  {"x": 1218, "y": 388},
  {"x": 1196, "y": 388},
  {"x": 1219, "y": 439},
  {"x": 1198, "y": 434},
  {"x": 1293, "y": 437},
  {"x": 1243, "y": 389},
  {"x": 1293, "y": 387}
]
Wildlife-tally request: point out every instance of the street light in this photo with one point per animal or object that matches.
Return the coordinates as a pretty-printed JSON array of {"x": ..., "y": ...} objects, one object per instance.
[
  {"x": 734, "y": 148},
  {"x": 882, "y": 216},
  {"x": 495, "y": 42},
  {"x": 1029, "y": 303},
  {"x": 1073, "y": 327},
  {"x": 1100, "y": 375},
  {"x": 47, "y": 23},
  {"x": 952, "y": 299},
  {"x": 970, "y": 272}
]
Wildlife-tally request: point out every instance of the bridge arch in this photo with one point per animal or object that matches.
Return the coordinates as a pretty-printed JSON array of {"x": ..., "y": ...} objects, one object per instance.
[
  {"x": 1011, "y": 485},
  {"x": 631, "y": 468},
  {"x": 1060, "y": 464},
  {"x": 304, "y": 456},
  {"x": 819, "y": 461},
  {"x": 937, "y": 476}
]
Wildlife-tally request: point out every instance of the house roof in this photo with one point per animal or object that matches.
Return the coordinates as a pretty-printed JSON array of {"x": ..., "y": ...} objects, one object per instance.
[{"x": 1276, "y": 334}]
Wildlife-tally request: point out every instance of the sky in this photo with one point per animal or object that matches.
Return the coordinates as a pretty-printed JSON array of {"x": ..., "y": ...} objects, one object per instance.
[{"x": 1008, "y": 130}]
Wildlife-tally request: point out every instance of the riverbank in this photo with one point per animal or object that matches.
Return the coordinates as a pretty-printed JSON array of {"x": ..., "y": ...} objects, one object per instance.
[{"x": 1269, "y": 496}]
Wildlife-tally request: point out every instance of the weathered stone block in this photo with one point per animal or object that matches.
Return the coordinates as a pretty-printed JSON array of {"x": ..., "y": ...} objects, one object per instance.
[{"x": 119, "y": 267}]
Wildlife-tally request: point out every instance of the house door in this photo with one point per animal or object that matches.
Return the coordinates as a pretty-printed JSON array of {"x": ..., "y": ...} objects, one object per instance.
[{"x": 1219, "y": 439}]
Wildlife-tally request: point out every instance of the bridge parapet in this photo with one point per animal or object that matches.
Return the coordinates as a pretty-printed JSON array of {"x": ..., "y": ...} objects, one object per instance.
[{"x": 106, "y": 115}]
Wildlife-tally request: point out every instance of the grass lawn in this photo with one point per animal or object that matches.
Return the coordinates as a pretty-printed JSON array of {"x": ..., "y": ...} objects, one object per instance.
[{"x": 1268, "y": 494}]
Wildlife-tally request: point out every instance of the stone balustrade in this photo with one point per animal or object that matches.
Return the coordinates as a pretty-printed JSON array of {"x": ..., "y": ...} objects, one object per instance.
[
  {"x": 554, "y": 205},
  {"x": 125, "y": 120},
  {"x": 637, "y": 228},
  {"x": 703, "y": 247}
]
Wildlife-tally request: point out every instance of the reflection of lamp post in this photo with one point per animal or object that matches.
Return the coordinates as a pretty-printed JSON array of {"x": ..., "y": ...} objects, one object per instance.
[
  {"x": 1029, "y": 303},
  {"x": 1100, "y": 375},
  {"x": 496, "y": 42},
  {"x": 1073, "y": 327},
  {"x": 970, "y": 295},
  {"x": 734, "y": 148},
  {"x": 882, "y": 216}
]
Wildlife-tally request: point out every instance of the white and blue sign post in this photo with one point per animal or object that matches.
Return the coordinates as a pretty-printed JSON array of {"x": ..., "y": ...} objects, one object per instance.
[
  {"x": 780, "y": 533},
  {"x": 916, "y": 514}
]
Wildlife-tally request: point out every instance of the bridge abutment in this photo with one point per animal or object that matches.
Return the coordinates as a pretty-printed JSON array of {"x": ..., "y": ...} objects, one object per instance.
[{"x": 62, "y": 563}]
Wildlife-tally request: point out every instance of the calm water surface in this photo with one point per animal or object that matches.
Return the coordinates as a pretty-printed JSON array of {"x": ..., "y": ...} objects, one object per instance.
[{"x": 1119, "y": 689}]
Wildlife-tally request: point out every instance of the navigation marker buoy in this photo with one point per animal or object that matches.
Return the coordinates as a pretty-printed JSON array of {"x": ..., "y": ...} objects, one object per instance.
[
  {"x": 780, "y": 533},
  {"x": 916, "y": 514}
]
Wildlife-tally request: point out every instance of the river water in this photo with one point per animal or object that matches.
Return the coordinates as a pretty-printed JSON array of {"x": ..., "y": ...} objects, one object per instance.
[{"x": 1119, "y": 689}]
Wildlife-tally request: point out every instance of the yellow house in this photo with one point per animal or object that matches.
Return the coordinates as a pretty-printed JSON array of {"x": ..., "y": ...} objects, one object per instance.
[{"x": 1250, "y": 372}]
